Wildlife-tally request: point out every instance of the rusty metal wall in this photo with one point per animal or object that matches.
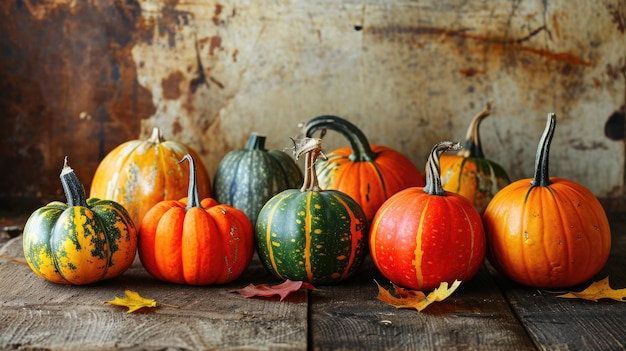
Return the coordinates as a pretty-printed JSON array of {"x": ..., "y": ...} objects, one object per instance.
[{"x": 78, "y": 78}]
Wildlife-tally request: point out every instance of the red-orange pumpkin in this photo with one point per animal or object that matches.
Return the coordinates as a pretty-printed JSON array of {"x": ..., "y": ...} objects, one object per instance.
[
  {"x": 547, "y": 232},
  {"x": 195, "y": 242},
  {"x": 139, "y": 173},
  {"x": 369, "y": 174},
  {"x": 421, "y": 237}
]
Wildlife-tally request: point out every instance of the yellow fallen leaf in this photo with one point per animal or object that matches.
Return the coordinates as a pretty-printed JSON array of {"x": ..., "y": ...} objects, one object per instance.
[
  {"x": 415, "y": 299},
  {"x": 133, "y": 301},
  {"x": 598, "y": 290}
]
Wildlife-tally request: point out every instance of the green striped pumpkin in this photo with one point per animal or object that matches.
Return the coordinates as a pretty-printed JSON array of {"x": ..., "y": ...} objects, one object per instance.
[
  {"x": 311, "y": 235},
  {"x": 247, "y": 178},
  {"x": 82, "y": 241}
]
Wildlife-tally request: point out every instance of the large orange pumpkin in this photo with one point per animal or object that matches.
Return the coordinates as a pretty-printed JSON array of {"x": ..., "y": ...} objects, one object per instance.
[
  {"x": 547, "y": 232},
  {"x": 469, "y": 173},
  {"x": 421, "y": 237},
  {"x": 369, "y": 174},
  {"x": 195, "y": 242},
  {"x": 139, "y": 173}
]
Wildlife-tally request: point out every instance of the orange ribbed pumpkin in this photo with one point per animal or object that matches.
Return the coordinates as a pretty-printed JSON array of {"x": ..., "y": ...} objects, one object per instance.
[
  {"x": 547, "y": 232},
  {"x": 421, "y": 237},
  {"x": 369, "y": 174},
  {"x": 139, "y": 173},
  {"x": 195, "y": 242}
]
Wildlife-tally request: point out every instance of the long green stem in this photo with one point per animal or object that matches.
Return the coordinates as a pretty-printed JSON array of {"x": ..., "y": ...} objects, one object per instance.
[
  {"x": 193, "y": 198},
  {"x": 72, "y": 187},
  {"x": 542, "y": 177},
  {"x": 361, "y": 150},
  {"x": 473, "y": 147}
]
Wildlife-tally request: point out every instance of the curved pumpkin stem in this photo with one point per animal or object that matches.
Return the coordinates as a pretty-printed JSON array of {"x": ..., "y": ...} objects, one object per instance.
[
  {"x": 473, "y": 147},
  {"x": 256, "y": 142},
  {"x": 433, "y": 178},
  {"x": 156, "y": 137},
  {"x": 193, "y": 197},
  {"x": 542, "y": 177},
  {"x": 311, "y": 148},
  {"x": 72, "y": 187},
  {"x": 361, "y": 150}
]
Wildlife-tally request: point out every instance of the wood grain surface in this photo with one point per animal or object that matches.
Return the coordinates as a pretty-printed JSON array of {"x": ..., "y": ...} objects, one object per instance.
[
  {"x": 41, "y": 315},
  {"x": 487, "y": 313},
  {"x": 475, "y": 317}
]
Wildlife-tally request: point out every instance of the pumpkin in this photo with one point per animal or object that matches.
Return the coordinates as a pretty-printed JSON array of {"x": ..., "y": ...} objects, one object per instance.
[
  {"x": 309, "y": 234},
  {"x": 367, "y": 173},
  {"x": 247, "y": 178},
  {"x": 469, "y": 173},
  {"x": 82, "y": 241},
  {"x": 423, "y": 236},
  {"x": 140, "y": 173},
  {"x": 193, "y": 241},
  {"x": 547, "y": 232}
]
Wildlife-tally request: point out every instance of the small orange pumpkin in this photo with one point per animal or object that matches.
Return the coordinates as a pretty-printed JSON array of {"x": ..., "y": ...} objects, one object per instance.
[
  {"x": 139, "y": 173},
  {"x": 469, "y": 173},
  {"x": 195, "y": 242},
  {"x": 547, "y": 232}
]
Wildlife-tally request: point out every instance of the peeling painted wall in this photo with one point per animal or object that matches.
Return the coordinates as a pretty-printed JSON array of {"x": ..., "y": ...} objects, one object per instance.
[{"x": 79, "y": 78}]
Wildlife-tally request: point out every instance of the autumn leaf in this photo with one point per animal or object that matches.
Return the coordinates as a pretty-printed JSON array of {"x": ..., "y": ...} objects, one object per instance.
[
  {"x": 405, "y": 298},
  {"x": 283, "y": 289},
  {"x": 133, "y": 301},
  {"x": 598, "y": 290}
]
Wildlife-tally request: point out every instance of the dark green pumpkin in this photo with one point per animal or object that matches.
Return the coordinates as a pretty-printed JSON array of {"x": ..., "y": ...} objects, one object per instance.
[
  {"x": 312, "y": 235},
  {"x": 81, "y": 241},
  {"x": 247, "y": 178}
]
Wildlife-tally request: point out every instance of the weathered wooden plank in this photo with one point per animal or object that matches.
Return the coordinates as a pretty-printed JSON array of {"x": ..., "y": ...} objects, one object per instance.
[
  {"x": 350, "y": 317},
  {"x": 572, "y": 324},
  {"x": 38, "y": 314}
]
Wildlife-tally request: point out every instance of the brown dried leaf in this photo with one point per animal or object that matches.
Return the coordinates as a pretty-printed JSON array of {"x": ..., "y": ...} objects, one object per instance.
[
  {"x": 405, "y": 298},
  {"x": 283, "y": 289},
  {"x": 598, "y": 290}
]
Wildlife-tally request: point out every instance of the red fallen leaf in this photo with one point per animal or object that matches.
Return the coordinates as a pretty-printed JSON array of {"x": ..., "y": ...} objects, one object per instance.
[{"x": 283, "y": 289}]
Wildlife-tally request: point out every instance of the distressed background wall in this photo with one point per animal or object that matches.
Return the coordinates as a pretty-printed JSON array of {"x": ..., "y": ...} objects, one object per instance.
[{"x": 78, "y": 78}]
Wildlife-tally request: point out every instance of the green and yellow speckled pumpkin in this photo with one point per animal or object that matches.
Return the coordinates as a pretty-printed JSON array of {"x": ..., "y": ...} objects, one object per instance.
[
  {"x": 81, "y": 241},
  {"x": 313, "y": 235},
  {"x": 469, "y": 173}
]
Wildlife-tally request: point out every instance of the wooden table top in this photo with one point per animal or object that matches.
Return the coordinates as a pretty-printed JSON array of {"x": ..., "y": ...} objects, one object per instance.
[{"x": 488, "y": 313}]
